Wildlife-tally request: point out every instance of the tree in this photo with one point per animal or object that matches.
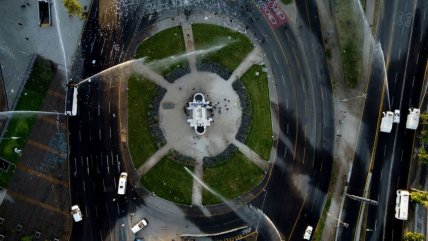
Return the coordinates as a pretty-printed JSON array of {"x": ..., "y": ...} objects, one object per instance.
[
  {"x": 73, "y": 7},
  {"x": 420, "y": 197},
  {"x": 423, "y": 156},
  {"x": 411, "y": 236}
]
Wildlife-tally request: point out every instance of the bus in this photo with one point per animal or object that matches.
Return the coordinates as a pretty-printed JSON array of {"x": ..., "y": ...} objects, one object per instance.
[{"x": 402, "y": 204}]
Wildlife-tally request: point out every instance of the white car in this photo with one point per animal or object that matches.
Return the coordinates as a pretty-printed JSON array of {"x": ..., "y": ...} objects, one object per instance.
[
  {"x": 308, "y": 233},
  {"x": 77, "y": 214},
  {"x": 122, "y": 183},
  {"x": 396, "y": 116},
  {"x": 140, "y": 225}
]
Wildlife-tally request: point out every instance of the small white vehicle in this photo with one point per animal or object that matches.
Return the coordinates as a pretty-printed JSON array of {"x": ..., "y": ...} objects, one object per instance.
[
  {"x": 140, "y": 225},
  {"x": 77, "y": 214},
  {"x": 387, "y": 120},
  {"x": 122, "y": 183},
  {"x": 308, "y": 233},
  {"x": 397, "y": 116}
]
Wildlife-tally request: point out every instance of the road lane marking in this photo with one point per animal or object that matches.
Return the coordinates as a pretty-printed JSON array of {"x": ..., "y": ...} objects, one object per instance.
[
  {"x": 276, "y": 60},
  {"x": 99, "y": 107},
  {"x": 413, "y": 81},
  {"x": 283, "y": 79},
  {"x": 399, "y": 53},
  {"x": 118, "y": 209},
  {"x": 384, "y": 151},
  {"x": 109, "y": 107},
  {"x": 401, "y": 158},
  {"x": 304, "y": 153},
  {"x": 417, "y": 59},
  {"x": 80, "y": 136},
  {"x": 298, "y": 216},
  {"x": 422, "y": 34},
  {"x": 99, "y": 133},
  {"x": 110, "y": 131},
  {"x": 104, "y": 186},
  {"x": 288, "y": 127},
  {"x": 84, "y": 185},
  {"x": 395, "y": 79}
]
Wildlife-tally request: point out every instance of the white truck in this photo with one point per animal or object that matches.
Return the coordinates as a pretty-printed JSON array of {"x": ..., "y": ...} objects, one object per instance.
[
  {"x": 413, "y": 118},
  {"x": 387, "y": 121}
]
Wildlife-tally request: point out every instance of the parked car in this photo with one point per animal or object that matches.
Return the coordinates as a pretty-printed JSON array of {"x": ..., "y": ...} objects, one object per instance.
[
  {"x": 140, "y": 225},
  {"x": 397, "y": 116}
]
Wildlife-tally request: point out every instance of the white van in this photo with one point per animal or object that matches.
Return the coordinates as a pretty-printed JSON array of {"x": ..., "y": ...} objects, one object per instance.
[
  {"x": 77, "y": 214},
  {"x": 140, "y": 225},
  {"x": 122, "y": 183}
]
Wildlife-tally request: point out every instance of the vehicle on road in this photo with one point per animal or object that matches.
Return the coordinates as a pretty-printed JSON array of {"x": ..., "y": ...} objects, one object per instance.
[
  {"x": 413, "y": 118},
  {"x": 77, "y": 214},
  {"x": 71, "y": 107},
  {"x": 122, "y": 183},
  {"x": 387, "y": 120},
  {"x": 308, "y": 233},
  {"x": 45, "y": 18},
  {"x": 140, "y": 225},
  {"x": 397, "y": 116},
  {"x": 402, "y": 204}
]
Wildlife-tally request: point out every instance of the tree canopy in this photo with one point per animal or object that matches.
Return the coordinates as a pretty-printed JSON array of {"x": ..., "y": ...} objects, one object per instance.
[
  {"x": 411, "y": 236},
  {"x": 73, "y": 7},
  {"x": 420, "y": 197}
]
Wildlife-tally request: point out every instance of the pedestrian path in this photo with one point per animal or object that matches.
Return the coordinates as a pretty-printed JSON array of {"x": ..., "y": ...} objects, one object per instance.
[
  {"x": 190, "y": 45},
  {"x": 250, "y": 154},
  {"x": 153, "y": 160},
  {"x": 149, "y": 74},
  {"x": 197, "y": 187},
  {"x": 254, "y": 57}
]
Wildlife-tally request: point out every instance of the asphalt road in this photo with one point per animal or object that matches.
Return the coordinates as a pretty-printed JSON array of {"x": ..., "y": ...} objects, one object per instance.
[
  {"x": 387, "y": 156},
  {"x": 299, "y": 181}
]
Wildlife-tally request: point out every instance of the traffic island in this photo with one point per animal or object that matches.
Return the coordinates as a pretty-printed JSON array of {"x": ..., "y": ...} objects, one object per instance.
[{"x": 200, "y": 115}]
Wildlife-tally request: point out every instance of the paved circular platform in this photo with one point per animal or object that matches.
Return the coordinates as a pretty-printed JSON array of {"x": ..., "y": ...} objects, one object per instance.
[{"x": 226, "y": 120}]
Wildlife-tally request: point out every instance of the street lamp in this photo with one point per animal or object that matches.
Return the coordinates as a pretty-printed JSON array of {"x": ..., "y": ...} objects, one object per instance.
[{"x": 346, "y": 225}]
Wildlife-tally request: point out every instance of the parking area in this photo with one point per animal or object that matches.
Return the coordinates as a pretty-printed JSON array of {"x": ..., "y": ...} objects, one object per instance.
[{"x": 37, "y": 201}]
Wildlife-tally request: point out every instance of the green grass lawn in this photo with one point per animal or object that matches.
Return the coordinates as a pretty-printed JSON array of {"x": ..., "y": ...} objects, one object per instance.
[
  {"x": 260, "y": 136},
  {"x": 237, "y": 45},
  {"x": 169, "y": 180},
  {"x": 160, "y": 47},
  {"x": 31, "y": 98},
  {"x": 350, "y": 31},
  {"x": 141, "y": 143},
  {"x": 235, "y": 177}
]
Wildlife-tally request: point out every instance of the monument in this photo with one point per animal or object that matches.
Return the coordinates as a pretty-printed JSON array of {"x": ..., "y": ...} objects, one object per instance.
[{"x": 198, "y": 117}]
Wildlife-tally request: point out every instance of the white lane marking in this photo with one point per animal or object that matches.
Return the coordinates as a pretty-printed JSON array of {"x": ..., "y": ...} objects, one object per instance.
[
  {"x": 110, "y": 131},
  {"x": 86, "y": 211},
  {"x": 401, "y": 158},
  {"x": 99, "y": 107},
  {"x": 396, "y": 75},
  {"x": 109, "y": 107},
  {"x": 101, "y": 235},
  {"x": 108, "y": 166},
  {"x": 286, "y": 103},
  {"x": 90, "y": 134},
  {"x": 75, "y": 167},
  {"x": 417, "y": 59},
  {"x": 118, "y": 210},
  {"x": 384, "y": 151},
  {"x": 80, "y": 136},
  {"x": 81, "y": 160},
  {"x": 99, "y": 134},
  {"x": 283, "y": 80},
  {"x": 276, "y": 60},
  {"x": 115, "y": 185},
  {"x": 104, "y": 186},
  {"x": 392, "y": 101},
  {"x": 84, "y": 185},
  {"x": 399, "y": 53},
  {"x": 288, "y": 127},
  {"x": 87, "y": 165},
  {"x": 413, "y": 81},
  {"x": 102, "y": 47},
  {"x": 422, "y": 34}
]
